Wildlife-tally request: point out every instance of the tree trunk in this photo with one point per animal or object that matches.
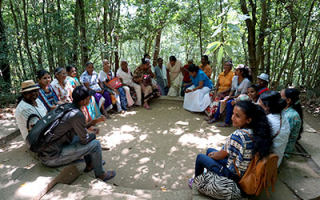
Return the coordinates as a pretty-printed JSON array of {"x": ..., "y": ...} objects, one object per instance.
[
  {"x": 302, "y": 44},
  {"x": 76, "y": 38},
  {"x": 22, "y": 64},
  {"x": 4, "y": 63},
  {"x": 116, "y": 40},
  {"x": 200, "y": 26},
  {"x": 105, "y": 26},
  {"x": 260, "y": 45},
  {"x": 285, "y": 63},
  {"x": 26, "y": 40},
  {"x": 157, "y": 48},
  {"x": 46, "y": 24},
  {"x": 111, "y": 26},
  {"x": 251, "y": 23},
  {"x": 61, "y": 60},
  {"x": 83, "y": 35}
]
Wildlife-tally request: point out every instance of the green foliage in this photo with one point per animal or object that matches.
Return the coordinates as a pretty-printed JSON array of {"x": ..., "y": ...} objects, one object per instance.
[{"x": 132, "y": 26}]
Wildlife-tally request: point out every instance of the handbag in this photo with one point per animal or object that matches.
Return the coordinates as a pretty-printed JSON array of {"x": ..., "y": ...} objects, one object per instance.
[
  {"x": 146, "y": 80},
  {"x": 115, "y": 83},
  {"x": 261, "y": 173},
  {"x": 217, "y": 187}
]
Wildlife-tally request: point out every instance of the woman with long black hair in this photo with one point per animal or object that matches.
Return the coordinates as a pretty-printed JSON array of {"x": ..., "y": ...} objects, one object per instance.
[
  {"x": 253, "y": 136},
  {"x": 293, "y": 113},
  {"x": 272, "y": 104}
]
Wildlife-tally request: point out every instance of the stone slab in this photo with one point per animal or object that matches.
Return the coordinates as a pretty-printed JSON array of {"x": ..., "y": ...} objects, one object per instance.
[
  {"x": 303, "y": 181},
  {"x": 7, "y": 126},
  {"x": 311, "y": 143},
  {"x": 20, "y": 183},
  {"x": 108, "y": 191}
]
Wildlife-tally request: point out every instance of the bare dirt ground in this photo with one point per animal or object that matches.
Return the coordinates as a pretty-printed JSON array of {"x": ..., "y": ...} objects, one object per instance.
[{"x": 152, "y": 149}]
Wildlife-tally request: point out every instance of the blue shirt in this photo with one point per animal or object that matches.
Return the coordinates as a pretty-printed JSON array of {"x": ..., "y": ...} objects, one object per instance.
[
  {"x": 201, "y": 76},
  {"x": 239, "y": 146}
]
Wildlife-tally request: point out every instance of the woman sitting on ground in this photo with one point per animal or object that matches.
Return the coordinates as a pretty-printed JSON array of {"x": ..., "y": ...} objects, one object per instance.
[
  {"x": 107, "y": 75},
  {"x": 162, "y": 74},
  {"x": 272, "y": 104},
  {"x": 253, "y": 95},
  {"x": 61, "y": 86},
  {"x": 196, "y": 97},
  {"x": 142, "y": 75},
  {"x": 293, "y": 113},
  {"x": 46, "y": 93},
  {"x": 240, "y": 147},
  {"x": 92, "y": 111},
  {"x": 72, "y": 76},
  {"x": 28, "y": 104},
  {"x": 240, "y": 83},
  {"x": 222, "y": 89},
  {"x": 89, "y": 78},
  {"x": 205, "y": 67},
  {"x": 186, "y": 81},
  {"x": 126, "y": 78},
  {"x": 174, "y": 66}
]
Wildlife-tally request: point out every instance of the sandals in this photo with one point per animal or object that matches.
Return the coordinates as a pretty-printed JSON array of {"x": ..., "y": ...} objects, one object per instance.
[
  {"x": 147, "y": 107},
  {"x": 110, "y": 175},
  {"x": 222, "y": 124},
  {"x": 190, "y": 182},
  {"x": 211, "y": 121},
  {"x": 90, "y": 169}
]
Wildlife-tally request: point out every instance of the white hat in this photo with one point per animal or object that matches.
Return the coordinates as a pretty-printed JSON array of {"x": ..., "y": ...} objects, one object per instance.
[{"x": 264, "y": 77}]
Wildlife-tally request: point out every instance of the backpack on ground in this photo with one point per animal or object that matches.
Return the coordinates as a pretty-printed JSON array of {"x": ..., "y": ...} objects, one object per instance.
[
  {"x": 217, "y": 187},
  {"x": 260, "y": 175},
  {"x": 41, "y": 135}
]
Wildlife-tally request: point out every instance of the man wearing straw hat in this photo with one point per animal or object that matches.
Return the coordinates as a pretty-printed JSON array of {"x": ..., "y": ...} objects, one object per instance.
[{"x": 29, "y": 103}]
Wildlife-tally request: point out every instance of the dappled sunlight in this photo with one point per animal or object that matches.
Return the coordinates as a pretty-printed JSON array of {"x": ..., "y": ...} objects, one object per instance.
[
  {"x": 176, "y": 131},
  {"x": 182, "y": 123},
  {"x": 14, "y": 145},
  {"x": 198, "y": 142},
  {"x": 116, "y": 138},
  {"x": 144, "y": 160},
  {"x": 173, "y": 150},
  {"x": 173, "y": 108},
  {"x": 28, "y": 189},
  {"x": 142, "y": 137},
  {"x": 6, "y": 173},
  {"x": 129, "y": 113}
]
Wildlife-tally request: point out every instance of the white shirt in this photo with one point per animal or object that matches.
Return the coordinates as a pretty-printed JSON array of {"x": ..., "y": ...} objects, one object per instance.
[
  {"x": 24, "y": 110},
  {"x": 240, "y": 88},
  {"x": 281, "y": 140},
  {"x": 125, "y": 76}
]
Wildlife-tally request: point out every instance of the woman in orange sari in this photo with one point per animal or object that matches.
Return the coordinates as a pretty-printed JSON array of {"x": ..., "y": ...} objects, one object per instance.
[{"x": 222, "y": 89}]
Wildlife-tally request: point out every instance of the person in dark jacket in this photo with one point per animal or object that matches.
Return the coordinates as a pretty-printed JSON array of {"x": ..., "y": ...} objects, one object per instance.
[{"x": 73, "y": 141}]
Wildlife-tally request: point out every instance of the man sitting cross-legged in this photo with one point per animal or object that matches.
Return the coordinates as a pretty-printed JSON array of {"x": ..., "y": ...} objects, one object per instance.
[{"x": 74, "y": 141}]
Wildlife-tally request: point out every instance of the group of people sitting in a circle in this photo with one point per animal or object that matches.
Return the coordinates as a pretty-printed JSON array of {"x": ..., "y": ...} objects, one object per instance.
[
  {"x": 273, "y": 119},
  {"x": 266, "y": 121}
]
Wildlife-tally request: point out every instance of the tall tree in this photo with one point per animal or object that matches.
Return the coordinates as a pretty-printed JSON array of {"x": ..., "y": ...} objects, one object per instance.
[
  {"x": 4, "y": 64},
  {"x": 83, "y": 36}
]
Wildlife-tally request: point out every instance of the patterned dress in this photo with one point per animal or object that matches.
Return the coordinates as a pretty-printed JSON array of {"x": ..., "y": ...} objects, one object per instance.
[
  {"x": 64, "y": 92},
  {"x": 294, "y": 120},
  {"x": 121, "y": 100},
  {"x": 49, "y": 98}
]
